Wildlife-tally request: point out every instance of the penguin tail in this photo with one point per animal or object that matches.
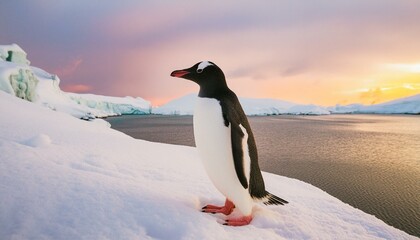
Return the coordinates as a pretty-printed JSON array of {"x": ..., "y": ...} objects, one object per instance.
[{"x": 271, "y": 199}]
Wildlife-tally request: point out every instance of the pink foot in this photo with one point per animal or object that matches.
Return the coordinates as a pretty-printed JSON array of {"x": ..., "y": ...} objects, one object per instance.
[
  {"x": 241, "y": 221},
  {"x": 226, "y": 209}
]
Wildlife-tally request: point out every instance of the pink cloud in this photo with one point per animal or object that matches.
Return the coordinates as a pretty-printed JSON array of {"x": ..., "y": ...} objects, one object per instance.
[
  {"x": 77, "y": 88},
  {"x": 69, "y": 69}
]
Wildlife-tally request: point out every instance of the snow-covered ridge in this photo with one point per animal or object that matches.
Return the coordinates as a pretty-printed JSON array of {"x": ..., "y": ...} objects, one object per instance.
[
  {"x": 260, "y": 106},
  {"x": 38, "y": 86},
  {"x": 252, "y": 106},
  {"x": 63, "y": 178},
  {"x": 113, "y": 105},
  {"x": 407, "y": 105}
]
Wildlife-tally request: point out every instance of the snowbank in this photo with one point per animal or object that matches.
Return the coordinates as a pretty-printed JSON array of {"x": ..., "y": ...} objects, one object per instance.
[
  {"x": 36, "y": 85},
  {"x": 252, "y": 106},
  {"x": 62, "y": 178},
  {"x": 408, "y": 105}
]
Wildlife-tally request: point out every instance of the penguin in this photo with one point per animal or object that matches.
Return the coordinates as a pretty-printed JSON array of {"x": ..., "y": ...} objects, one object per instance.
[{"x": 226, "y": 145}]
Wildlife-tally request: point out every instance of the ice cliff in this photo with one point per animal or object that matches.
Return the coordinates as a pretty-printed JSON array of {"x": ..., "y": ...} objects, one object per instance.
[{"x": 18, "y": 78}]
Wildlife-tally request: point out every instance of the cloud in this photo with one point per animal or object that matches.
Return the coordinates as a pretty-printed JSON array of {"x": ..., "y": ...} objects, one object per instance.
[
  {"x": 372, "y": 95},
  {"x": 404, "y": 67},
  {"x": 68, "y": 69},
  {"x": 295, "y": 69},
  {"x": 77, "y": 88},
  {"x": 130, "y": 47}
]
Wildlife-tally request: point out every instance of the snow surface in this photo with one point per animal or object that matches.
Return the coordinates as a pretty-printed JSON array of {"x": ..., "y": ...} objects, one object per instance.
[
  {"x": 63, "y": 178},
  {"x": 407, "y": 105},
  {"x": 47, "y": 91},
  {"x": 252, "y": 106}
]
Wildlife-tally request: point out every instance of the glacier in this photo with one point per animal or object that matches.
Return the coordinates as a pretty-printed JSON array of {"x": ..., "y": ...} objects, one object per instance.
[{"x": 18, "y": 78}]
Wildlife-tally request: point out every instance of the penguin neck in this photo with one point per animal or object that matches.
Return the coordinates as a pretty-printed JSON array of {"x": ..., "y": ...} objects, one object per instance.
[{"x": 213, "y": 90}]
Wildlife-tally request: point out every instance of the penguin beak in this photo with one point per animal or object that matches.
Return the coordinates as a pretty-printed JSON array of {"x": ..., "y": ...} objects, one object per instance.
[{"x": 179, "y": 73}]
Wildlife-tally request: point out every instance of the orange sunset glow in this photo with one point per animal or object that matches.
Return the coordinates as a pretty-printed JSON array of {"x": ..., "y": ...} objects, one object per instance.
[{"x": 314, "y": 52}]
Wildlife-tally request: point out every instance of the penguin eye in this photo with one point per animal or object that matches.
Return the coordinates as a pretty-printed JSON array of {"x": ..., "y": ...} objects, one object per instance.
[{"x": 199, "y": 70}]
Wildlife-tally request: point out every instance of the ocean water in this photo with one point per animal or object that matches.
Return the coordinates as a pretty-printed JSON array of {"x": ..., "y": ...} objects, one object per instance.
[{"x": 371, "y": 162}]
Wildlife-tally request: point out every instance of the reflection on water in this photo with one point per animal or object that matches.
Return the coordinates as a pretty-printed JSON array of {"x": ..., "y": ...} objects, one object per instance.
[{"x": 369, "y": 161}]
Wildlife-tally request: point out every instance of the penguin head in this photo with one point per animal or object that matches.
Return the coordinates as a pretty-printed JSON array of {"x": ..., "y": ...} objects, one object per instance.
[{"x": 206, "y": 74}]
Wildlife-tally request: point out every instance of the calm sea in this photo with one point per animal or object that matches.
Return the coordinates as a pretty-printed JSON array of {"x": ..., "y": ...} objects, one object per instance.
[{"x": 371, "y": 162}]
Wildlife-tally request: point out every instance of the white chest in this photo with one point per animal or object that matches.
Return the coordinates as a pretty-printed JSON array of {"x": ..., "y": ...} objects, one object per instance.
[{"x": 212, "y": 139}]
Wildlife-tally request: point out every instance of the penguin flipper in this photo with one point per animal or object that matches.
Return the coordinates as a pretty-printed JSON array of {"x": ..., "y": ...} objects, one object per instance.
[
  {"x": 238, "y": 155},
  {"x": 235, "y": 118}
]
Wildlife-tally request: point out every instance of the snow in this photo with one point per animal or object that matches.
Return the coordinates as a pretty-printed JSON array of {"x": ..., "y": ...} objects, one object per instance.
[
  {"x": 13, "y": 53},
  {"x": 39, "y": 140},
  {"x": 351, "y": 108},
  {"x": 85, "y": 105},
  {"x": 7, "y": 70},
  {"x": 252, "y": 106},
  {"x": 110, "y": 106},
  {"x": 261, "y": 106},
  {"x": 181, "y": 106},
  {"x": 36, "y": 85},
  {"x": 63, "y": 178},
  {"x": 266, "y": 106},
  {"x": 41, "y": 87},
  {"x": 408, "y": 105}
]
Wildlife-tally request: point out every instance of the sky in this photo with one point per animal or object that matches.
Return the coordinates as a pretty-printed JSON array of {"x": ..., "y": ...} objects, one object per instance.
[{"x": 309, "y": 52}]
